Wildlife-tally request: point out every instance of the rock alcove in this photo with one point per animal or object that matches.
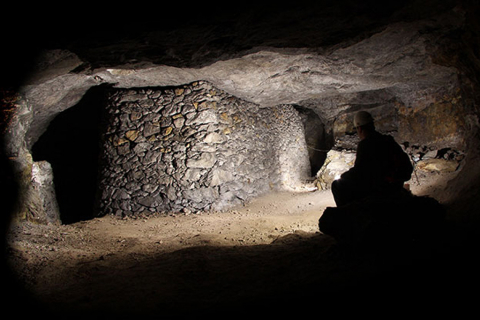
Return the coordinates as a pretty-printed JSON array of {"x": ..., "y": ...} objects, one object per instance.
[{"x": 199, "y": 116}]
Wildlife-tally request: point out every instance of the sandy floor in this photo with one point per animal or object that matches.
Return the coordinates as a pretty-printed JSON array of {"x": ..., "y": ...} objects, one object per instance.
[
  {"x": 261, "y": 221},
  {"x": 52, "y": 260},
  {"x": 268, "y": 253}
]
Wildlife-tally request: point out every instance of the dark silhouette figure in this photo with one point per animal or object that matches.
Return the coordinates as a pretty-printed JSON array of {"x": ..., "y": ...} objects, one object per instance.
[
  {"x": 373, "y": 209},
  {"x": 380, "y": 165}
]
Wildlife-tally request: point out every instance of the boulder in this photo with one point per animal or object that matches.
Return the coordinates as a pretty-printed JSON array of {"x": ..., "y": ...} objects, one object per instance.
[{"x": 337, "y": 162}]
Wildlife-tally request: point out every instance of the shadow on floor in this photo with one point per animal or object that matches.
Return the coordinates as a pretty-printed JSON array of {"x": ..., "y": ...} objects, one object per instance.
[{"x": 300, "y": 273}]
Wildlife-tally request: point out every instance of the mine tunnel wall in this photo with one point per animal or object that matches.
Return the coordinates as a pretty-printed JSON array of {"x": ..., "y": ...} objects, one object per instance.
[
  {"x": 433, "y": 126},
  {"x": 406, "y": 74},
  {"x": 195, "y": 147}
]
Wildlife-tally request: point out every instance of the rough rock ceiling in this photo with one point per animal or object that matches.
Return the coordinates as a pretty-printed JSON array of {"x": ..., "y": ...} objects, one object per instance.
[
  {"x": 297, "y": 53},
  {"x": 199, "y": 34},
  {"x": 196, "y": 34}
]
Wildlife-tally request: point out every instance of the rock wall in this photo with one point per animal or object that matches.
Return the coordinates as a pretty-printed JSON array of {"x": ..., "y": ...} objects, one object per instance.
[
  {"x": 404, "y": 69},
  {"x": 431, "y": 125},
  {"x": 434, "y": 117},
  {"x": 195, "y": 147}
]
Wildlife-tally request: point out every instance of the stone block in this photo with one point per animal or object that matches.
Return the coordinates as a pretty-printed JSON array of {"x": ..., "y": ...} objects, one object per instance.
[
  {"x": 220, "y": 176},
  {"x": 206, "y": 160},
  {"x": 213, "y": 137},
  {"x": 151, "y": 129},
  {"x": 151, "y": 201},
  {"x": 337, "y": 162},
  {"x": 202, "y": 117},
  {"x": 132, "y": 135}
]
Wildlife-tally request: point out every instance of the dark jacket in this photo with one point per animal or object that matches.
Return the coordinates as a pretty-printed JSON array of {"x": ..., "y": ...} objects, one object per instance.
[{"x": 380, "y": 162}]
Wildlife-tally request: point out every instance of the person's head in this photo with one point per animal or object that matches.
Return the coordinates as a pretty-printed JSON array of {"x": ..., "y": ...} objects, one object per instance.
[{"x": 363, "y": 122}]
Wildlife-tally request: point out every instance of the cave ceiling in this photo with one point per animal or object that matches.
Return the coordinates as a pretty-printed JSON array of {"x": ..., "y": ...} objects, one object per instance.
[{"x": 305, "y": 53}]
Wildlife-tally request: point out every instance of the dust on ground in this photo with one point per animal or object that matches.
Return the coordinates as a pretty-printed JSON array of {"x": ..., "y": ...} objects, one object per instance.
[
  {"x": 261, "y": 221},
  {"x": 265, "y": 255},
  {"x": 63, "y": 264}
]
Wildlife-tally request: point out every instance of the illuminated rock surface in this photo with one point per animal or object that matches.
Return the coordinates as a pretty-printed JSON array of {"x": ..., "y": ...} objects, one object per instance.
[
  {"x": 203, "y": 107},
  {"x": 402, "y": 69}
]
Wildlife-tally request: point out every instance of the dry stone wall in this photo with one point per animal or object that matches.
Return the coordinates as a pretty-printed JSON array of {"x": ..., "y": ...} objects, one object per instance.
[{"x": 195, "y": 147}]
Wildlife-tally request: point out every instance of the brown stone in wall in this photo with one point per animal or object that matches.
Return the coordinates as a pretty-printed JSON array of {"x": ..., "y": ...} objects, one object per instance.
[{"x": 196, "y": 147}]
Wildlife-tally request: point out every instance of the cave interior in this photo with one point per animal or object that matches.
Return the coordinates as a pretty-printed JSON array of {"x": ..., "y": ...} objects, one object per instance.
[{"x": 222, "y": 105}]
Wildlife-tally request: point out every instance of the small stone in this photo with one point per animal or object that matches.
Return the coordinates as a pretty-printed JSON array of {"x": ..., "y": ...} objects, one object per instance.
[
  {"x": 141, "y": 147},
  {"x": 121, "y": 194},
  {"x": 206, "y": 160},
  {"x": 149, "y": 188},
  {"x": 213, "y": 137},
  {"x": 203, "y": 117},
  {"x": 151, "y": 128},
  {"x": 119, "y": 141},
  {"x": 179, "y": 122},
  {"x": 132, "y": 135},
  {"x": 167, "y": 131},
  {"x": 224, "y": 117},
  {"x": 221, "y": 176},
  {"x": 177, "y": 116},
  {"x": 124, "y": 149},
  {"x": 134, "y": 116},
  {"x": 151, "y": 201}
]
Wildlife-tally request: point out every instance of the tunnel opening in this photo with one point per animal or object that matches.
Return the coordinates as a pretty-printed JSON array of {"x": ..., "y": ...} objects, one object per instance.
[
  {"x": 316, "y": 138},
  {"x": 71, "y": 145}
]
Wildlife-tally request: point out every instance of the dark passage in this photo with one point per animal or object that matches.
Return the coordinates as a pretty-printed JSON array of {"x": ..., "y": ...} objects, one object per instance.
[
  {"x": 71, "y": 145},
  {"x": 315, "y": 137}
]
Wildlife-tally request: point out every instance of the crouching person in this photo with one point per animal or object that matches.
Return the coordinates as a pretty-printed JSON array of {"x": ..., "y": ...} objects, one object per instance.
[
  {"x": 363, "y": 193},
  {"x": 380, "y": 165}
]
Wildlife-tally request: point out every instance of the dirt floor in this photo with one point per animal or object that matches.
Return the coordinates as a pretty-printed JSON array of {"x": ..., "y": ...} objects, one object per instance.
[{"x": 267, "y": 255}]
